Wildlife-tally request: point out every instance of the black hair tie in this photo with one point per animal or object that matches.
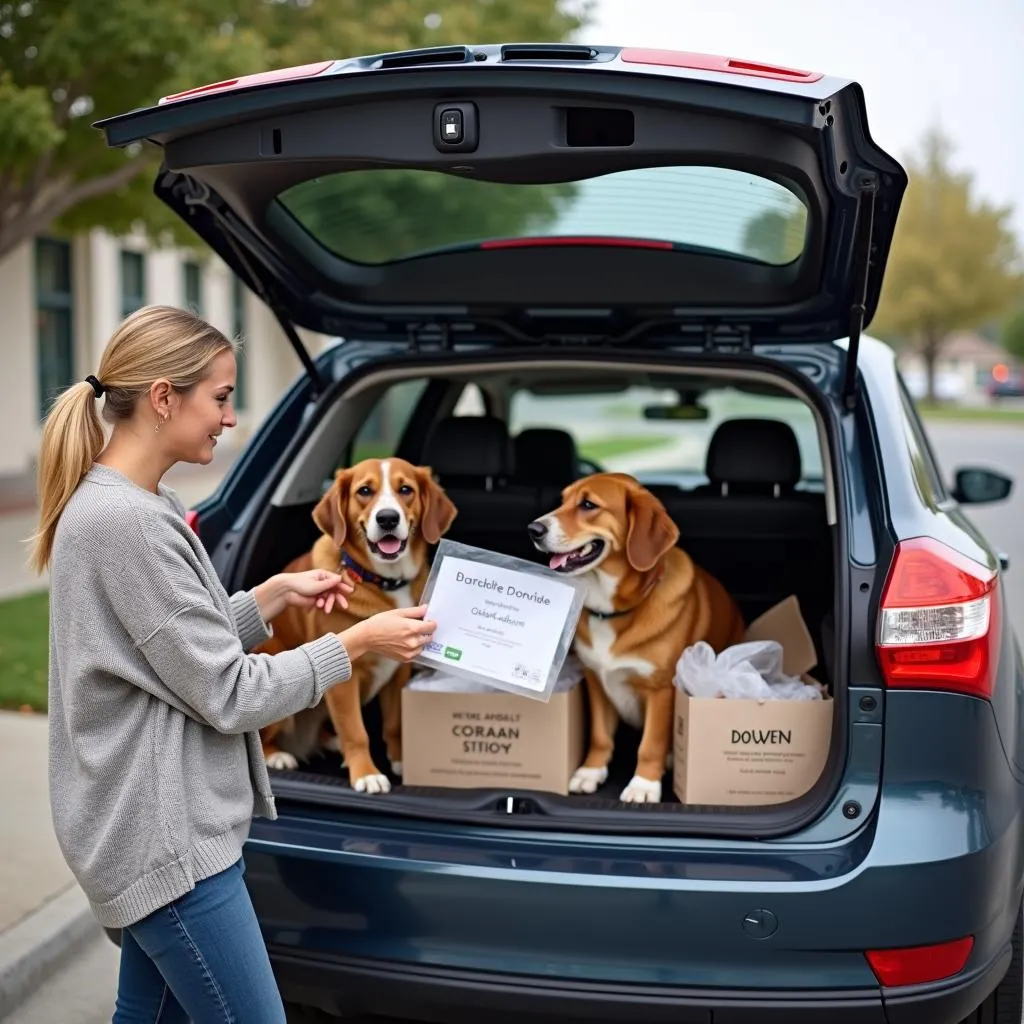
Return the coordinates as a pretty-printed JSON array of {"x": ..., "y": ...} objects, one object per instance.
[{"x": 96, "y": 385}]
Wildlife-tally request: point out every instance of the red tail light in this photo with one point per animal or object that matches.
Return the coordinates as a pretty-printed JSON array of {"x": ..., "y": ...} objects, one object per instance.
[
  {"x": 192, "y": 518},
  {"x": 917, "y": 965},
  {"x": 939, "y": 621}
]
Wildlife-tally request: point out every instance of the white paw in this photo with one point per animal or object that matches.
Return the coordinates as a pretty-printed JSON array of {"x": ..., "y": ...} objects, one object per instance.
[
  {"x": 641, "y": 791},
  {"x": 283, "y": 761},
  {"x": 396, "y": 767},
  {"x": 331, "y": 743},
  {"x": 587, "y": 780},
  {"x": 372, "y": 784}
]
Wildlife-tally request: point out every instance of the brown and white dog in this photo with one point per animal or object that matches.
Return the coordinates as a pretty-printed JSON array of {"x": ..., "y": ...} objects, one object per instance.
[
  {"x": 377, "y": 520},
  {"x": 645, "y": 603}
]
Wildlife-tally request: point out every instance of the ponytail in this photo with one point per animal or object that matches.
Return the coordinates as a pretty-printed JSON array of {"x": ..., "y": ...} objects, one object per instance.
[{"x": 72, "y": 440}]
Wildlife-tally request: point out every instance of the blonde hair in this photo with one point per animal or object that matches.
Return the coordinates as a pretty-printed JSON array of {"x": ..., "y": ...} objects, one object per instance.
[{"x": 153, "y": 343}]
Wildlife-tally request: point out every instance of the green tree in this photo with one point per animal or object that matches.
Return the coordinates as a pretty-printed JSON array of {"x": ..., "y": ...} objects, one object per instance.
[
  {"x": 67, "y": 63},
  {"x": 776, "y": 236},
  {"x": 954, "y": 262},
  {"x": 1011, "y": 336}
]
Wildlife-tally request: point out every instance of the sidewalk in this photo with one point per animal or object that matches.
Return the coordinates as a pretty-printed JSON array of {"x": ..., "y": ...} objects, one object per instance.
[{"x": 44, "y": 916}]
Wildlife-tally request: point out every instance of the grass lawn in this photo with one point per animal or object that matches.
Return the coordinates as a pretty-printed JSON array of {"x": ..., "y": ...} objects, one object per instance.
[
  {"x": 608, "y": 447},
  {"x": 23, "y": 652},
  {"x": 977, "y": 414}
]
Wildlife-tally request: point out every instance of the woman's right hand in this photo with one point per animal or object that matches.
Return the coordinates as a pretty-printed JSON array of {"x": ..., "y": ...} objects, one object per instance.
[{"x": 400, "y": 633}]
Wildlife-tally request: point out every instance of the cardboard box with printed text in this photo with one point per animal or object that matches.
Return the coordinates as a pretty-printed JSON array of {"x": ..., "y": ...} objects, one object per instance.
[
  {"x": 736, "y": 752},
  {"x": 484, "y": 740}
]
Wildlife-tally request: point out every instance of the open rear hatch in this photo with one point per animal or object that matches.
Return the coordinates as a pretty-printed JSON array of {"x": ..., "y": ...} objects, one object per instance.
[
  {"x": 614, "y": 191},
  {"x": 616, "y": 195}
]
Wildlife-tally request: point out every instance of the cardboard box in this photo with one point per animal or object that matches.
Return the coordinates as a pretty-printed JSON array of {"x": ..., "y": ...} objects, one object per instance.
[
  {"x": 734, "y": 752},
  {"x": 484, "y": 740}
]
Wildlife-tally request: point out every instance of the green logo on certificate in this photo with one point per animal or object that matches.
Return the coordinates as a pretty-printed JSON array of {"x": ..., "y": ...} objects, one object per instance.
[{"x": 452, "y": 653}]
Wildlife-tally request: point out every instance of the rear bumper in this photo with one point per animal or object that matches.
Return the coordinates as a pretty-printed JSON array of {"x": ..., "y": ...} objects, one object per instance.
[{"x": 446, "y": 996}]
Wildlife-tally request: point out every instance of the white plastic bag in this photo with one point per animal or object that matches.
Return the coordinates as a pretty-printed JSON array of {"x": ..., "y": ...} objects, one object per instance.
[{"x": 750, "y": 671}]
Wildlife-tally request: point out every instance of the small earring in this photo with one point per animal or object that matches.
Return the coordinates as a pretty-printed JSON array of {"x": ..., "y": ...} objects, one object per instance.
[{"x": 159, "y": 424}]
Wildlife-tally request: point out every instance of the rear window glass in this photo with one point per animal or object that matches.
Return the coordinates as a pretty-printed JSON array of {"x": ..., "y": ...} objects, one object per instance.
[
  {"x": 639, "y": 432},
  {"x": 379, "y": 216}
]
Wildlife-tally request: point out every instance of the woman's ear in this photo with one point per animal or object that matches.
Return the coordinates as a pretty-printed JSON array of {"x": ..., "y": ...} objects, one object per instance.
[{"x": 163, "y": 399}]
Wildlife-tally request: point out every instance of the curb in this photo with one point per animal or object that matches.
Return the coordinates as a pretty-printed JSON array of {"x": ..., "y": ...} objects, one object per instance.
[{"x": 40, "y": 943}]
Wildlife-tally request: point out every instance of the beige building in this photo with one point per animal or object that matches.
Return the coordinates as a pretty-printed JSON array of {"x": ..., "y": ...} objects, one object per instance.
[{"x": 60, "y": 301}]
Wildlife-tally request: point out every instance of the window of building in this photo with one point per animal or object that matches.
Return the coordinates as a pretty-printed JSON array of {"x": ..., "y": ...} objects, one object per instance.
[
  {"x": 55, "y": 334},
  {"x": 238, "y": 332},
  {"x": 192, "y": 286},
  {"x": 133, "y": 281}
]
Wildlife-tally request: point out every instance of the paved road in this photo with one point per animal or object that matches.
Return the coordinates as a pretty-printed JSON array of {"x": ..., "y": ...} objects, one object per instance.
[
  {"x": 996, "y": 447},
  {"x": 83, "y": 992}
]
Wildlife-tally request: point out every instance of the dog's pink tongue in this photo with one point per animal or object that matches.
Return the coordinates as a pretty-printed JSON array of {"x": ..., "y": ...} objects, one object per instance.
[
  {"x": 557, "y": 561},
  {"x": 390, "y": 545}
]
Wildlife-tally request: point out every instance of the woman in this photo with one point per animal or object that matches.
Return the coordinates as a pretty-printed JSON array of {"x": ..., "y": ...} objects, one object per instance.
[{"x": 154, "y": 705}]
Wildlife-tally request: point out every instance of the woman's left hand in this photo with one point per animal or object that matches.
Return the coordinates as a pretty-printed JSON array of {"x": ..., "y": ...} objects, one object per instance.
[
  {"x": 317, "y": 587},
  {"x": 312, "y": 588}
]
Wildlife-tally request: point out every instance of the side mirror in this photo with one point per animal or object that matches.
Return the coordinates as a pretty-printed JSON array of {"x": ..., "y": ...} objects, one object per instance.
[{"x": 978, "y": 486}]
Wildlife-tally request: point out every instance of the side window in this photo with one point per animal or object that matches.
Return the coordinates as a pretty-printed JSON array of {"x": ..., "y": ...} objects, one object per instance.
[
  {"x": 382, "y": 429},
  {"x": 926, "y": 467}
]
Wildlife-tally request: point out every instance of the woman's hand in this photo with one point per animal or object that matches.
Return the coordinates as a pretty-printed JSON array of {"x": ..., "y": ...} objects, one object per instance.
[
  {"x": 312, "y": 588},
  {"x": 400, "y": 633}
]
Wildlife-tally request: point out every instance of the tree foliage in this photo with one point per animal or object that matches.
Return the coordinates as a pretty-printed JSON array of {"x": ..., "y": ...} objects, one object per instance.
[
  {"x": 954, "y": 262},
  {"x": 67, "y": 63},
  {"x": 1012, "y": 335}
]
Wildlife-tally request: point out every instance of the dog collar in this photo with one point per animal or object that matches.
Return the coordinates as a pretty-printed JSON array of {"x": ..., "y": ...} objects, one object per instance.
[
  {"x": 634, "y": 607},
  {"x": 371, "y": 577}
]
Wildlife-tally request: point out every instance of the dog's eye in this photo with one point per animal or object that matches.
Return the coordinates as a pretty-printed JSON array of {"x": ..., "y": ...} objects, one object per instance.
[
  {"x": 587, "y": 505},
  {"x": 365, "y": 491},
  {"x": 405, "y": 490}
]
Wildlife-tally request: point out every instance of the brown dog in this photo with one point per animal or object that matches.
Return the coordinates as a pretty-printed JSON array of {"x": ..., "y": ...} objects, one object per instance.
[
  {"x": 377, "y": 520},
  {"x": 646, "y": 602}
]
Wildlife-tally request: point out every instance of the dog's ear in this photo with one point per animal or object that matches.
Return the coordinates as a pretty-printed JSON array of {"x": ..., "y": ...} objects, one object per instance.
[
  {"x": 651, "y": 532},
  {"x": 329, "y": 513},
  {"x": 438, "y": 511}
]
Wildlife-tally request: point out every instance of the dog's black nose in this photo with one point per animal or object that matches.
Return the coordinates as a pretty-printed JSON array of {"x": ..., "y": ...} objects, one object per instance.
[
  {"x": 387, "y": 518},
  {"x": 536, "y": 529}
]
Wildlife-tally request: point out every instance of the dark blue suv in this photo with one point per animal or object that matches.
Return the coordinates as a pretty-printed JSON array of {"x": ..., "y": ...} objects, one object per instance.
[{"x": 662, "y": 243}]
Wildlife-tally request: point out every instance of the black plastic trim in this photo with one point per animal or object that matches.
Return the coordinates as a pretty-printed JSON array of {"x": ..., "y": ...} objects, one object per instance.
[{"x": 448, "y": 996}]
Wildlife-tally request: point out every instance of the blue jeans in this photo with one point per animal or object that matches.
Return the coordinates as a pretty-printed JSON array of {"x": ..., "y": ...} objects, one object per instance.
[{"x": 201, "y": 958}]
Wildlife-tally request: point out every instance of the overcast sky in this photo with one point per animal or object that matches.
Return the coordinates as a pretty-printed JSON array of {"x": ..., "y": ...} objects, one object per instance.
[{"x": 920, "y": 62}]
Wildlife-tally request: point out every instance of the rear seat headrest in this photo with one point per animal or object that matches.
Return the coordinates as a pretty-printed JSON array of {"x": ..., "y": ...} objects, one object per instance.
[
  {"x": 469, "y": 446},
  {"x": 546, "y": 456},
  {"x": 754, "y": 451}
]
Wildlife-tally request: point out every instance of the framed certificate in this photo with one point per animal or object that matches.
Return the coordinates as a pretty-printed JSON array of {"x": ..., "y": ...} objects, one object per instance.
[{"x": 501, "y": 621}]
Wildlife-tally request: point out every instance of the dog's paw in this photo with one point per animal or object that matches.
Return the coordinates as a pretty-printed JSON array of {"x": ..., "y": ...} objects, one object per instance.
[
  {"x": 282, "y": 761},
  {"x": 396, "y": 767},
  {"x": 641, "y": 791},
  {"x": 372, "y": 784},
  {"x": 587, "y": 780}
]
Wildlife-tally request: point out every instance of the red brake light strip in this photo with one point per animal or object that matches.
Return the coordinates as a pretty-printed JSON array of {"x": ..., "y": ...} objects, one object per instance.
[
  {"x": 260, "y": 78},
  {"x": 711, "y": 62}
]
